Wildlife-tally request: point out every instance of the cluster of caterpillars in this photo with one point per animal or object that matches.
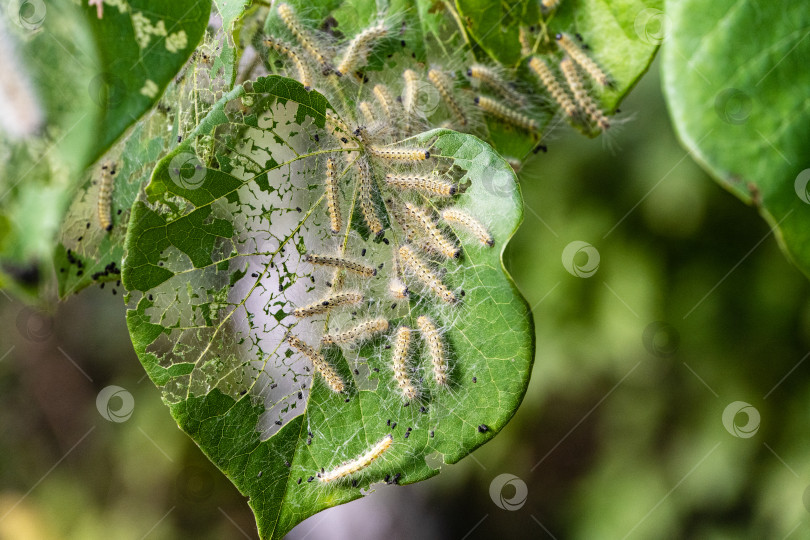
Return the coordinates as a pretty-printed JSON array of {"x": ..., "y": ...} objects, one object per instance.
[
  {"x": 560, "y": 65},
  {"x": 397, "y": 190}
]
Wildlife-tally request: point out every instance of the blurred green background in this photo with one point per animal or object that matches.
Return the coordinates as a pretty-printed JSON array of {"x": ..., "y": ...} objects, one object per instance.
[{"x": 617, "y": 437}]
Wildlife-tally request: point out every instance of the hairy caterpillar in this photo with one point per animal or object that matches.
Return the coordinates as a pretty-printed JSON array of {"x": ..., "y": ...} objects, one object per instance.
[
  {"x": 409, "y": 93},
  {"x": 303, "y": 73},
  {"x": 504, "y": 113},
  {"x": 399, "y": 359},
  {"x": 444, "y": 87},
  {"x": 460, "y": 217},
  {"x": 587, "y": 104},
  {"x": 359, "y": 463},
  {"x": 558, "y": 93},
  {"x": 340, "y": 262},
  {"x": 332, "y": 301},
  {"x": 440, "y": 242},
  {"x": 411, "y": 260},
  {"x": 396, "y": 286},
  {"x": 360, "y": 332},
  {"x": 383, "y": 96},
  {"x": 338, "y": 122},
  {"x": 320, "y": 364},
  {"x": 435, "y": 347},
  {"x": 366, "y": 202},
  {"x": 332, "y": 197},
  {"x": 305, "y": 39},
  {"x": 398, "y": 154},
  {"x": 494, "y": 80},
  {"x": 427, "y": 184},
  {"x": 365, "y": 110},
  {"x": 359, "y": 47},
  {"x": 105, "y": 190},
  {"x": 583, "y": 60},
  {"x": 526, "y": 47}
]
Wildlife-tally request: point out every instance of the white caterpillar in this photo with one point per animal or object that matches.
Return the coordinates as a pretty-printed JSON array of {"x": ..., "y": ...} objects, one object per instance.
[
  {"x": 320, "y": 364},
  {"x": 402, "y": 344},
  {"x": 585, "y": 62},
  {"x": 361, "y": 332},
  {"x": 340, "y": 262},
  {"x": 330, "y": 302},
  {"x": 105, "y": 190},
  {"x": 424, "y": 183},
  {"x": 412, "y": 261},
  {"x": 359, "y": 463},
  {"x": 359, "y": 47},
  {"x": 436, "y": 348},
  {"x": 460, "y": 217}
]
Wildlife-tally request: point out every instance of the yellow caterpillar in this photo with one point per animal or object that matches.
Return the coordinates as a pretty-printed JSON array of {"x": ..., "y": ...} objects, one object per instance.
[
  {"x": 340, "y": 262},
  {"x": 435, "y": 347},
  {"x": 586, "y": 103},
  {"x": 460, "y": 217},
  {"x": 412, "y": 261},
  {"x": 492, "y": 79},
  {"x": 360, "y": 332},
  {"x": 303, "y": 73},
  {"x": 425, "y": 183},
  {"x": 305, "y": 39},
  {"x": 440, "y": 243},
  {"x": 330, "y": 302},
  {"x": 444, "y": 87},
  {"x": 398, "y": 154},
  {"x": 366, "y": 202},
  {"x": 320, "y": 364},
  {"x": 359, "y": 46},
  {"x": 585, "y": 62},
  {"x": 105, "y": 190},
  {"x": 502, "y": 112},
  {"x": 332, "y": 197},
  {"x": 558, "y": 93},
  {"x": 402, "y": 343}
]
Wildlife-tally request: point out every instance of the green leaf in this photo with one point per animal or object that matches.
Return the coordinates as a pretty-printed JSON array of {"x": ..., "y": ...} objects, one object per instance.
[
  {"x": 215, "y": 265},
  {"x": 230, "y": 11},
  {"x": 739, "y": 105},
  {"x": 622, "y": 37},
  {"x": 83, "y": 80}
]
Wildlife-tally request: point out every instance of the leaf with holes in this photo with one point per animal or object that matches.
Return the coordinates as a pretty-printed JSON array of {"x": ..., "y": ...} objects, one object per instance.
[
  {"x": 279, "y": 345},
  {"x": 739, "y": 105},
  {"x": 79, "y": 77}
]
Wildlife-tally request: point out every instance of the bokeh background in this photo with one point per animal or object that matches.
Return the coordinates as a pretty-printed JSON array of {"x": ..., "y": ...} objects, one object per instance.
[{"x": 621, "y": 435}]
